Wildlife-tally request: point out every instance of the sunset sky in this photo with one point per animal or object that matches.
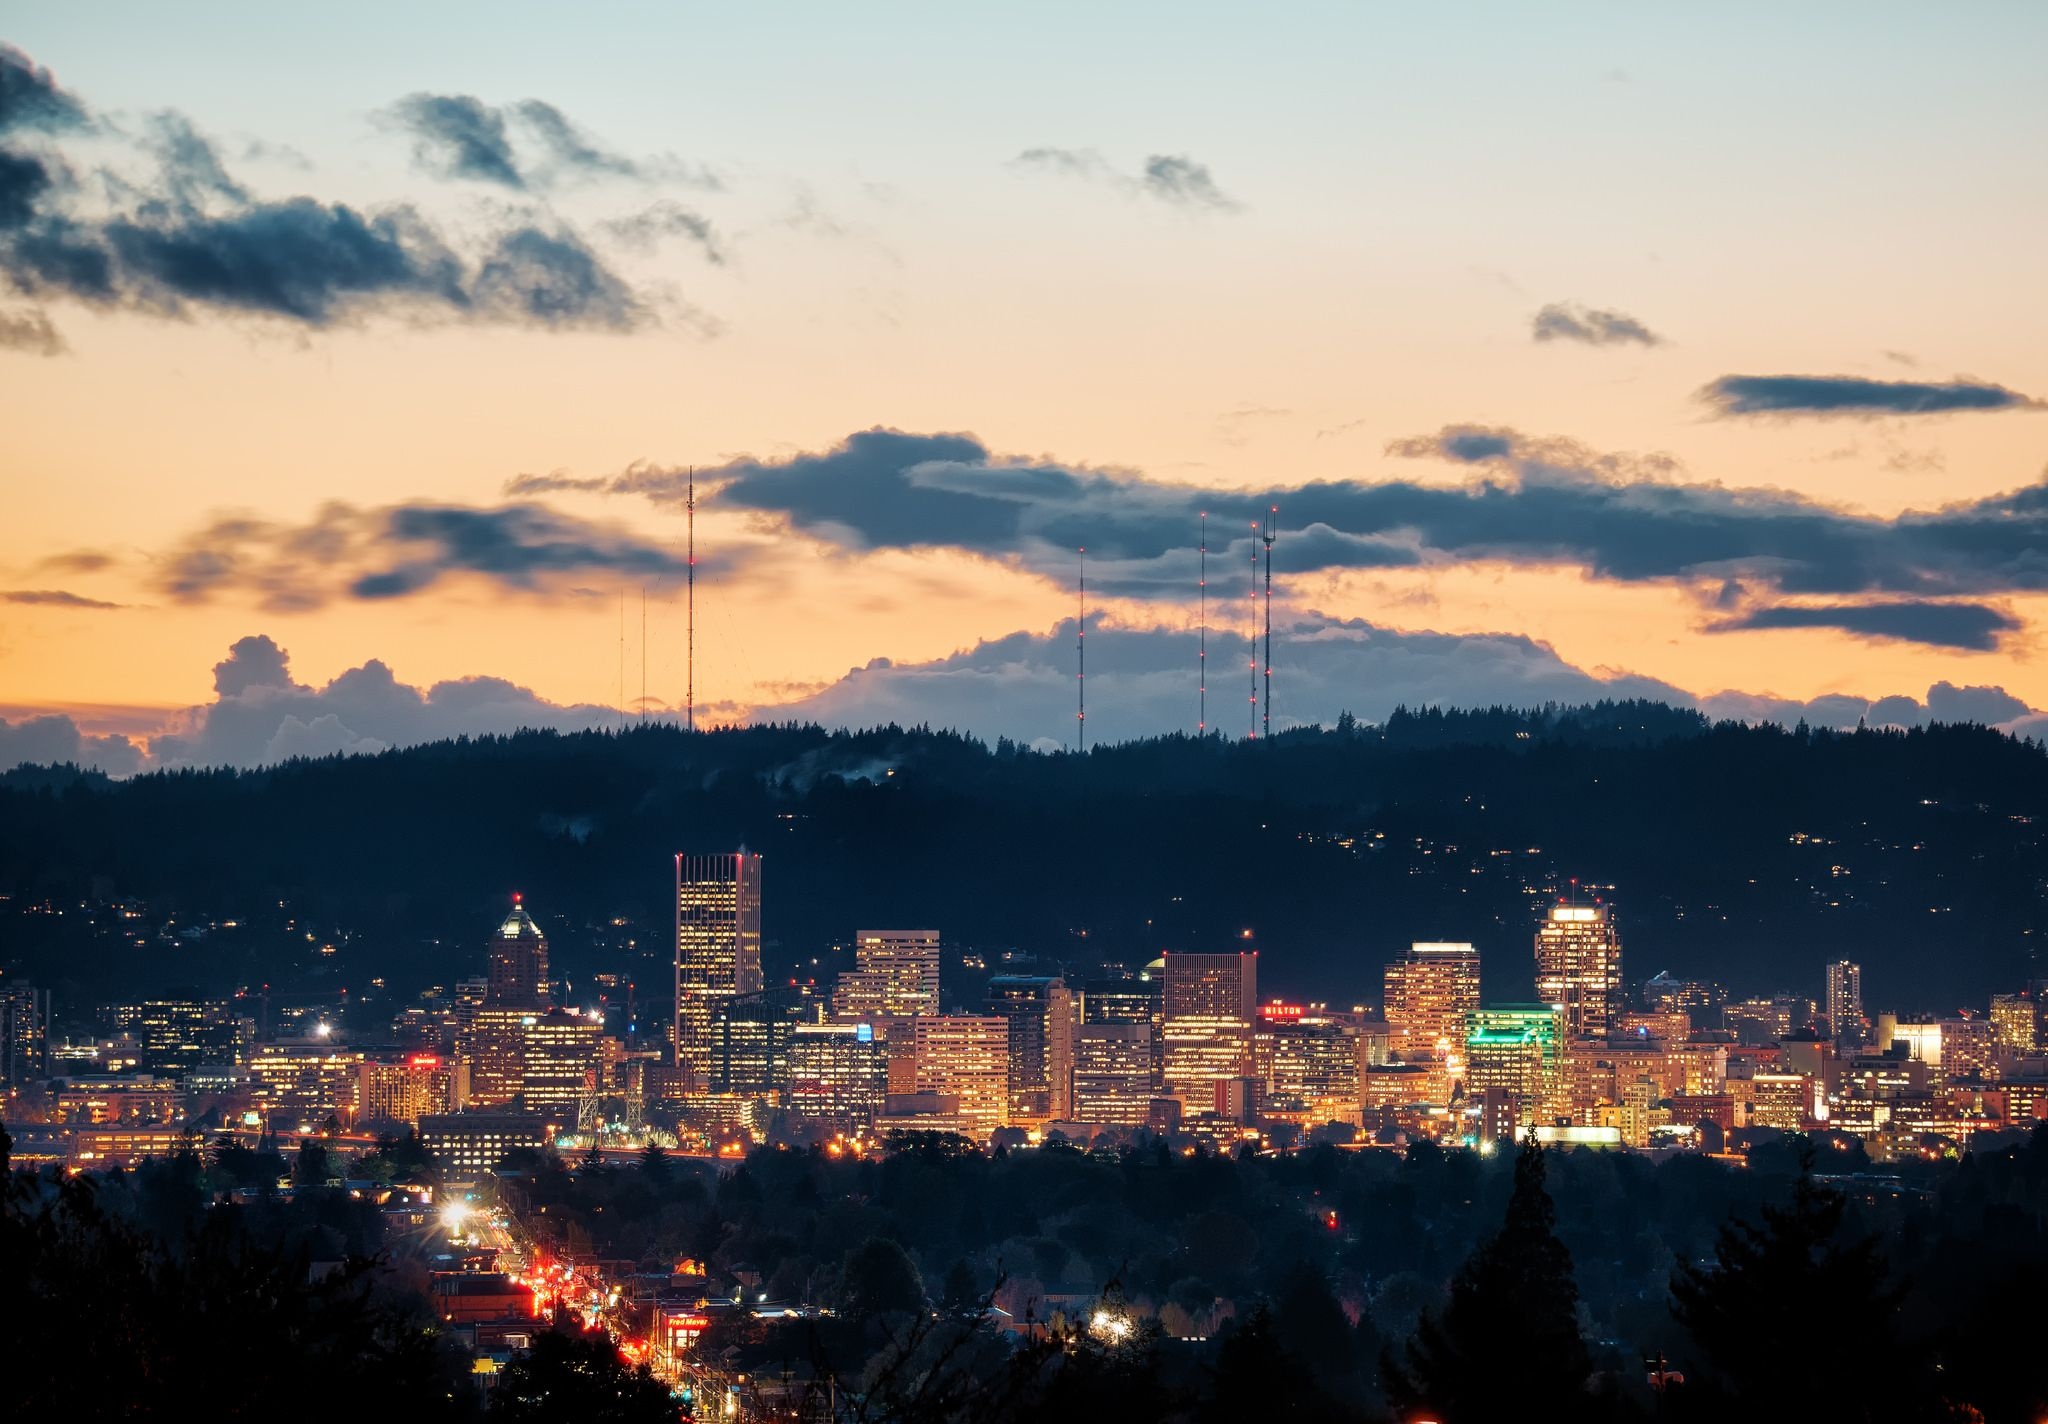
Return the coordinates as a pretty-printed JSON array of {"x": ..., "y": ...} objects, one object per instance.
[{"x": 1583, "y": 348}]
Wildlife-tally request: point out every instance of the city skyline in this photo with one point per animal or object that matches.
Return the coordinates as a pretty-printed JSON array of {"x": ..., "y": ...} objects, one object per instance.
[{"x": 1716, "y": 429}]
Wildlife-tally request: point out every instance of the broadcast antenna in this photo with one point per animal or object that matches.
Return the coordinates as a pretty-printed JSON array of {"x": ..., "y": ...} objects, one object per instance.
[
  {"x": 1202, "y": 656},
  {"x": 1081, "y": 657},
  {"x": 690, "y": 657},
  {"x": 1272, "y": 528},
  {"x": 1253, "y": 734}
]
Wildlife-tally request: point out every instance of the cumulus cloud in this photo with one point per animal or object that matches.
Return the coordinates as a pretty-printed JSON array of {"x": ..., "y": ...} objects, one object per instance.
[
  {"x": 1530, "y": 502},
  {"x": 195, "y": 238},
  {"x": 388, "y": 552},
  {"x": 56, "y": 739},
  {"x": 1968, "y": 627},
  {"x": 1590, "y": 326},
  {"x": 1174, "y": 179},
  {"x": 52, "y": 598},
  {"x": 1856, "y": 396}
]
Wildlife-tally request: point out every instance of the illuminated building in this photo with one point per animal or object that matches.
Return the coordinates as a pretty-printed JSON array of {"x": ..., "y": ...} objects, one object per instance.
[
  {"x": 24, "y": 1034},
  {"x": 518, "y": 960},
  {"x": 1845, "y": 1001},
  {"x": 1578, "y": 968},
  {"x": 407, "y": 1088},
  {"x": 1780, "y": 1100},
  {"x": 305, "y": 1081},
  {"x": 1208, "y": 1005},
  {"x": 2015, "y": 1024},
  {"x": 1236, "y": 1099},
  {"x": 562, "y": 1062},
  {"x": 1967, "y": 1052},
  {"x": 750, "y": 1043},
  {"x": 1429, "y": 992},
  {"x": 1768, "y": 1020},
  {"x": 896, "y": 976},
  {"x": 1697, "y": 1069},
  {"x": 99, "y": 1100},
  {"x": 1499, "y": 1118},
  {"x": 1699, "y": 999},
  {"x": 492, "y": 1051},
  {"x": 718, "y": 948},
  {"x": 1668, "y": 1025},
  {"x": 1113, "y": 1073},
  {"x": 1139, "y": 999},
  {"x": 475, "y": 1142},
  {"x": 1307, "y": 1056},
  {"x": 966, "y": 1056},
  {"x": 176, "y": 1035},
  {"x": 837, "y": 1072},
  {"x": 1040, "y": 1013},
  {"x": 1514, "y": 1048}
]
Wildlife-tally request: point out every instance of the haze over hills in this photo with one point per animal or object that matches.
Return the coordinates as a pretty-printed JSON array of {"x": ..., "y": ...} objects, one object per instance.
[{"x": 1748, "y": 854}]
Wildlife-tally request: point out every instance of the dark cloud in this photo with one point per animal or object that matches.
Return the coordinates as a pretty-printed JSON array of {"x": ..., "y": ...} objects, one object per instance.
[
  {"x": 1855, "y": 395},
  {"x": 52, "y": 598},
  {"x": 568, "y": 145},
  {"x": 397, "y": 550},
  {"x": 55, "y": 739},
  {"x": 459, "y": 136},
  {"x": 1970, "y": 627},
  {"x": 198, "y": 239},
  {"x": 30, "y": 331},
  {"x": 1174, "y": 179},
  {"x": 30, "y": 98},
  {"x": 1990, "y": 705},
  {"x": 1945, "y": 702},
  {"x": 1567, "y": 321},
  {"x": 664, "y": 220}
]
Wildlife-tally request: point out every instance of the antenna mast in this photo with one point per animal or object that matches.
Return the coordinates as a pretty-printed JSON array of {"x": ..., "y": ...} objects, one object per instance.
[
  {"x": 690, "y": 656},
  {"x": 1081, "y": 657},
  {"x": 1253, "y": 734},
  {"x": 622, "y": 654},
  {"x": 1202, "y": 656},
  {"x": 643, "y": 652},
  {"x": 1272, "y": 528}
]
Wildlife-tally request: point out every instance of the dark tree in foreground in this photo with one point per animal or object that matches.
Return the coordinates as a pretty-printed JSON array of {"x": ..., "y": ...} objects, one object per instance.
[
  {"x": 879, "y": 1278},
  {"x": 1797, "y": 1319},
  {"x": 578, "y": 1376},
  {"x": 1510, "y": 1332}
]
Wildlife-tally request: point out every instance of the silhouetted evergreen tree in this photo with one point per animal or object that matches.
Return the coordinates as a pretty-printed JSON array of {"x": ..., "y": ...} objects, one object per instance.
[
  {"x": 579, "y": 1378},
  {"x": 1509, "y": 1335}
]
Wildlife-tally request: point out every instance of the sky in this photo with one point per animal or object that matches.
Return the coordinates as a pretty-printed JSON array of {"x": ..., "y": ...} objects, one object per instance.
[{"x": 355, "y": 365}]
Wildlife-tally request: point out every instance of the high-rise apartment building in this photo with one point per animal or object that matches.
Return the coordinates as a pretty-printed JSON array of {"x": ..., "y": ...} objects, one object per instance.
[
  {"x": 1208, "y": 1009},
  {"x": 896, "y": 975},
  {"x": 718, "y": 948},
  {"x": 518, "y": 962},
  {"x": 1845, "y": 1001},
  {"x": 1041, "y": 1015},
  {"x": 1578, "y": 968},
  {"x": 1430, "y": 990},
  {"x": 1113, "y": 1073},
  {"x": 24, "y": 1034},
  {"x": 966, "y": 1057}
]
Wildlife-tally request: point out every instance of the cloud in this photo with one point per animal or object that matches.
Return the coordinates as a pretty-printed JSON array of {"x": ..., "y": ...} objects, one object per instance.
[
  {"x": 1855, "y": 396},
  {"x": 52, "y": 598},
  {"x": 195, "y": 238},
  {"x": 1970, "y": 627},
  {"x": 568, "y": 145},
  {"x": 645, "y": 229},
  {"x": 1530, "y": 502},
  {"x": 1173, "y": 179},
  {"x": 52, "y": 740},
  {"x": 394, "y": 551},
  {"x": 30, "y": 331},
  {"x": 1945, "y": 702},
  {"x": 459, "y": 136},
  {"x": 1567, "y": 321}
]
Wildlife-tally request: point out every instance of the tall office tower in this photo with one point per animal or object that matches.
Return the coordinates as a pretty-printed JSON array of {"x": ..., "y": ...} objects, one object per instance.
[
  {"x": 750, "y": 1040},
  {"x": 1578, "y": 966},
  {"x": 837, "y": 1073},
  {"x": 563, "y": 1063},
  {"x": 2014, "y": 1022},
  {"x": 407, "y": 1087},
  {"x": 518, "y": 972},
  {"x": 967, "y": 1057},
  {"x": 1430, "y": 990},
  {"x": 1139, "y": 999},
  {"x": 178, "y": 1035},
  {"x": 1206, "y": 1031},
  {"x": 1701, "y": 1000},
  {"x": 1514, "y": 1049},
  {"x": 1042, "y": 1022},
  {"x": 1113, "y": 1073},
  {"x": 1307, "y": 1059},
  {"x": 1845, "y": 1001},
  {"x": 896, "y": 975},
  {"x": 302, "y": 1082},
  {"x": 718, "y": 948},
  {"x": 24, "y": 1034}
]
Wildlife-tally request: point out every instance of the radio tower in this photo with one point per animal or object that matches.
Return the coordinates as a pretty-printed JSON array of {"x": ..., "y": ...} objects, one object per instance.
[
  {"x": 690, "y": 655},
  {"x": 1253, "y": 734},
  {"x": 1202, "y": 656},
  {"x": 1081, "y": 657},
  {"x": 1272, "y": 528}
]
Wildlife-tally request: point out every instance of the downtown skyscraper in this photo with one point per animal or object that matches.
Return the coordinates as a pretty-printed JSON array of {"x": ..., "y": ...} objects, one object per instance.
[
  {"x": 1210, "y": 1002},
  {"x": 718, "y": 949},
  {"x": 1578, "y": 968}
]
